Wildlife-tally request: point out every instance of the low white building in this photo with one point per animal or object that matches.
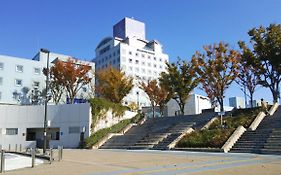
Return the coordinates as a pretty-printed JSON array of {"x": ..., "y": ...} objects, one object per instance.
[
  {"x": 23, "y": 125},
  {"x": 194, "y": 105}
]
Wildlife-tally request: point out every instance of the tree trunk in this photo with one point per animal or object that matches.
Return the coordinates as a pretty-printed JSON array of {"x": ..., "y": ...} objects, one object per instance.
[
  {"x": 275, "y": 95},
  {"x": 252, "y": 100},
  {"x": 221, "y": 105}
]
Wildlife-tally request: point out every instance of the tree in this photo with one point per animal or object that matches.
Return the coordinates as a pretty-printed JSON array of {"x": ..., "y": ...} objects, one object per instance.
[
  {"x": 179, "y": 80},
  {"x": 36, "y": 96},
  {"x": 113, "y": 84},
  {"x": 151, "y": 89},
  {"x": 163, "y": 97},
  {"x": 266, "y": 57},
  {"x": 69, "y": 75},
  {"x": 217, "y": 68},
  {"x": 157, "y": 95},
  {"x": 247, "y": 78}
]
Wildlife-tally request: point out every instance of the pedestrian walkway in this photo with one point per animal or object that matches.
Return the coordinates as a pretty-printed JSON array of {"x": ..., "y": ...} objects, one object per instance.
[
  {"x": 125, "y": 162},
  {"x": 14, "y": 161}
]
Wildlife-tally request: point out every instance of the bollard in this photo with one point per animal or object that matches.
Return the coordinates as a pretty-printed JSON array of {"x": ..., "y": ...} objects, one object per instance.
[
  {"x": 51, "y": 155},
  {"x": 16, "y": 148},
  {"x": 61, "y": 149},
  {"x": 59, "y": 153},
  {"x": 20, "y": 148},
  {"x": 32, "y": 157},
  {"x": 9, "y": 147},
  {"x": 2, "y": 167}
]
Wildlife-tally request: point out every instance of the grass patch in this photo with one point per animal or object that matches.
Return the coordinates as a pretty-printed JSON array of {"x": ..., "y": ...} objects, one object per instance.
[
  {"x": 216, "y": 136},
  {"x": 94, "y": 138}
]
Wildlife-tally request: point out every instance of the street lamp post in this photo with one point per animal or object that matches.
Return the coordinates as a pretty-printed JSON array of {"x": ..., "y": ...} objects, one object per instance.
[{"x": 46, "y": 100}]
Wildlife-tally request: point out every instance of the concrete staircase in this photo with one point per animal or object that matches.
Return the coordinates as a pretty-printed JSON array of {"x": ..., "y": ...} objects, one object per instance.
[
  {"x": 266, "y": 139},
  {"x": 157, "y": 133}
]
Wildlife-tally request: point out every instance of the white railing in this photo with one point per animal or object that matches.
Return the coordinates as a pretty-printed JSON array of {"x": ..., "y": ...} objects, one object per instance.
[
  {"x": 233, "y": 139},
  {"x": 174, "y": 143},
  {"x": 207, "y": 125}
]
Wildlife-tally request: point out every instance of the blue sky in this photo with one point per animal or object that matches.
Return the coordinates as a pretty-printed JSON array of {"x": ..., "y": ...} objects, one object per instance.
[{"x": 75, "y": 27}]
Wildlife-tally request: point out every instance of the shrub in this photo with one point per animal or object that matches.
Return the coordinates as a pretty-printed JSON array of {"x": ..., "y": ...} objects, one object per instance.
[{"x": 216, "y": 136}]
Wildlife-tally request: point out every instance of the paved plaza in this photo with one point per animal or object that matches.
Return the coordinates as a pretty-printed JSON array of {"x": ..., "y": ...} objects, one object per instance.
[{"x": 123, "y": 162}]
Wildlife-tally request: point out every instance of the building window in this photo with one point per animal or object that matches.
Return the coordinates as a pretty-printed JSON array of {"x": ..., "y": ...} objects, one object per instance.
[
  {"x": 11, "y": 131},
  {"x": 137, "y": 61},
  {"x": 155, "y": 65},
  {"x": 74, "y": 130},
  {"x": 1, "y": 81},
  {"x": 18, "y": 82},
  {"x": 149, "y": 64},
  {"x": 160, "y": 59},
  {"x": 143, "y": 63},
  {"x": 130, "y": 68},
  {"x": 1, "y": 66},
  {"x": 36, "y": 84},
  {"x": 37, "y": 71},
  {"x": 142, "y": 55},
  {"x": 148, "y": 56},
  {"x": 137, "y": 54},
  {"x": 155, "y": 58},
  {"x": 137, "y": 69},
  {"x": 130, "y": 52},
  {"x": 19, "y": 68},
  {"x": 84, "y": 89},
  {"x": 143, "y": 70},
  {"x": 130, "y": 60}
]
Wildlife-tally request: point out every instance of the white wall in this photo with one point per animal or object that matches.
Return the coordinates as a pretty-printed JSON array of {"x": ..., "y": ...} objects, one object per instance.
[
  {"x": 61, "y": 116},
  {"x": 108, "y": 120},
  {"x": 194, "y": 105},
  {"x": 28, "y": 76}
]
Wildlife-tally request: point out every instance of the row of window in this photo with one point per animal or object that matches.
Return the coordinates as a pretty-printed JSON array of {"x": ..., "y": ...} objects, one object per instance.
[
  {"x": 108, "y": 57},
  {"x": 144, "y": 64},
  {"x": 18, "y": 82},
  {"x": 149, "y": 57},
  {"x": 71, "y": 130},
  {"x": 19, "y": 68}
]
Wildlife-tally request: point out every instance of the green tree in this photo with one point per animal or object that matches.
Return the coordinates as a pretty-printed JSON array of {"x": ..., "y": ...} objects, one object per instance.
[
  {"x": 217, "y": 68},
  {"x": 113, "y": 84},
  {"x": 179, "y": 80},
  {"x": 266, "y": 56},
  {"x": 247, "y": 78}
]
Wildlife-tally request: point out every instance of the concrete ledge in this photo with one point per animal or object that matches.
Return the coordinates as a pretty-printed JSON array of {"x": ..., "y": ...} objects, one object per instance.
[
  {"x": 233, "y": 139},
  {"x": 273, "y": 109},
  {"x": 199, "y": 149},
  {"x": 257, "y": 121},
  {"x": 174, "y": 143},
  {"x": 207, "y": 125}
]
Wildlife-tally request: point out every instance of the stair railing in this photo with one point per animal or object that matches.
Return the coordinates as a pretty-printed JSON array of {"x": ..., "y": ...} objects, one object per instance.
[
  {"x": 174, "y": 143},
  {"x": 233, "y": 139}
]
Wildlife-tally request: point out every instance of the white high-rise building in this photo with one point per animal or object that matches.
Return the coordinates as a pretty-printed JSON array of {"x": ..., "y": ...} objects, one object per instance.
[
  {"x": 129, "y": 51},
  {"x": 237, "y": 102},
  {"x": 19, "y": 76}
]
